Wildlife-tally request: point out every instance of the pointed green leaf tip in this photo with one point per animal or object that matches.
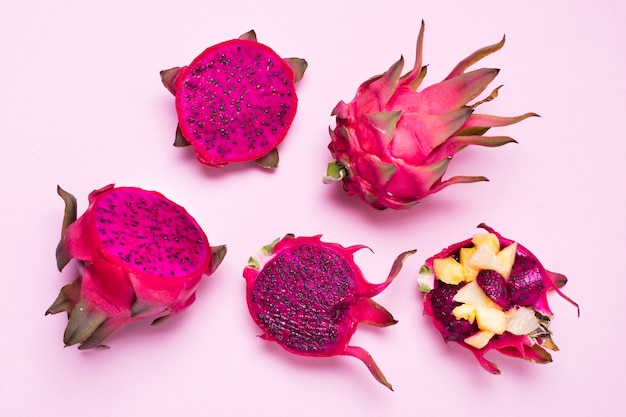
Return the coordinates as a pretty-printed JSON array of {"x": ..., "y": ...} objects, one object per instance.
[
  {"x": 385, "y": 85},
  {"x": 341, "y": 110},
  {"x": 269, "y": 160},
  {"x": 298, "y": 66},
  {"x": 168, "y": 78},
  {"x": 384, "y": 170},
  {"x": 140, "y": 308},
  {"x": 83, "y": 322},
  {"x": 385, "y": 123},
  {"x": 69, "y": 217},
  {"x": 367, "y": 359},
  {"x": 461, "y": 142},
  {"x": 179, "y": 139},
  {"x": 459, "y": 179},
  {"x": 256, "y": 259},
  {"x": 70, "y": 213},
  {"x": 414, "y": 77},
  {"x": 492, "y": 96},
  {"x": 249, "y": 36},
  {"x": 397, "y": 264},
  {"x": 217, "y": 256},
  {"x": 66, "y": 300},
  {"x": 475, "y": 57}
]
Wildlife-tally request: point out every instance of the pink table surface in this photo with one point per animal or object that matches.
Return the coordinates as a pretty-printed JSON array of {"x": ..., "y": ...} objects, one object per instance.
[{"x": 82, "y": 106}]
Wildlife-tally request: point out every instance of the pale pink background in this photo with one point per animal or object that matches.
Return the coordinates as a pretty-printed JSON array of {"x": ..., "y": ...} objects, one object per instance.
[{"x": 82, "y": 106}]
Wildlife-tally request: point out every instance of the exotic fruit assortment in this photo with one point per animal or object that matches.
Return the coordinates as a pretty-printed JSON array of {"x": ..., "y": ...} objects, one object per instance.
[
  {"x": 392, "y": 144},
  {"x": 140, "y": 255},
  {"x": 490, "y": 293},
  {"x": 235, "y": 102},
  {"x": 308, "y": 296}
]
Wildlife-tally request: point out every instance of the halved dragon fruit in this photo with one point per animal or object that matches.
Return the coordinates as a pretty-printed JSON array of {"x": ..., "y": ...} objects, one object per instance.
[
  {"x": 490, "y": 293},
  {"x": 140, "y": 255},
  {"x": 235, "y": 101},
  {"x": 308, "y": 296}
]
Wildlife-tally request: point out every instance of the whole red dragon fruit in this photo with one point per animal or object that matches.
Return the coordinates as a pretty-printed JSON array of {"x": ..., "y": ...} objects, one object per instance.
[
  {"x": 140, "y": 255},
  {"x": 490, "y": 293},
  {"x": 392, "y": 144},
  {"x": 235, "y": 101},
  {"x": 308, "y": 296}
]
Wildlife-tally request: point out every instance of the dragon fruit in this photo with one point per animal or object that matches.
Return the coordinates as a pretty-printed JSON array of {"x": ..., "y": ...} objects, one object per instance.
[
  {"x": 490, "y": 293},
  {"x": 308, "y": 296},
  {"x": 140, "y": 255},
  {"x": 235, "y": 101},
  {"x": 392, "y": 144}
]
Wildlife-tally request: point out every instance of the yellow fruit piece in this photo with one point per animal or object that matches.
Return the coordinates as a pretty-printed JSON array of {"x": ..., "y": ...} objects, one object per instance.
[
  {"x": 507, "y": 257},
  {"x": 470, "y": 274},
  {"x": 465, "y": 311},
  {"x": 450, "y": 271},
  {"x": 484, "y": 258},
  {"x": 472, "y": 294},
  {"x": 465, "y": 254},
  {"x": 489, "y": 239},
  {"x": 521, "y": 320},
  {"x": 491, "y": 319},
  {"x": 479, "y": 339}
]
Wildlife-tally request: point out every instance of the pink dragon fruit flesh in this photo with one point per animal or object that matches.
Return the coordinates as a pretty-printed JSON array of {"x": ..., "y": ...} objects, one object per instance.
[
  {"x": 392, "y": 144},
  {"x": 235, "y": 101},
  {"x": 308, "y": 296},
  {"x": 491, "y": 293},
  {"x": 139, "y": 255}
]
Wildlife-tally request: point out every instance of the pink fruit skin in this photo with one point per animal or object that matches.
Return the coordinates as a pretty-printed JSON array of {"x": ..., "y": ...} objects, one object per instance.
[
  {"x": 520, "y": 346},
  {"x": 236, "y": 101},
  {"x": 309, "y": 296},
  {"x": 140, "y": 255},
  {"x": 392, "y": 144}
]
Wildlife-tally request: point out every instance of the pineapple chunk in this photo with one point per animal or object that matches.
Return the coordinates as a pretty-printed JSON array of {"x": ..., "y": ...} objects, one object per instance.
[
  {"x": 507, "y": 257},
  {"x": 491, "y": 319},
  {"x": 473, "y": 294},
  {"x": 485, "y": 258},
  {"x": 465, "y": 254},
  {"x": 479, "y": 339},
  {"x": 488, "y": 315},
  {"x": 465, "y": 311},
  {"x": 521, "y": 321},
  {"x": 450, "y": 271},
  {"x": 489, "y": 239}
]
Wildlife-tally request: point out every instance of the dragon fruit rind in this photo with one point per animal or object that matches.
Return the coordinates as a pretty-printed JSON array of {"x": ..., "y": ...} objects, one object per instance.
[
  {"x": 392, "y": 144},
  {"x": 139, "y": 255},
  {"x": 308, "y": 296},
  {"x": 490, "y": 293},
  {"x": 235, "y": 101}
]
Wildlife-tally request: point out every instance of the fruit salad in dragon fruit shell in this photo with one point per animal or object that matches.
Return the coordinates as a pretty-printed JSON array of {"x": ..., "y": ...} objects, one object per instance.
[{"x": 491, "y": 293}]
